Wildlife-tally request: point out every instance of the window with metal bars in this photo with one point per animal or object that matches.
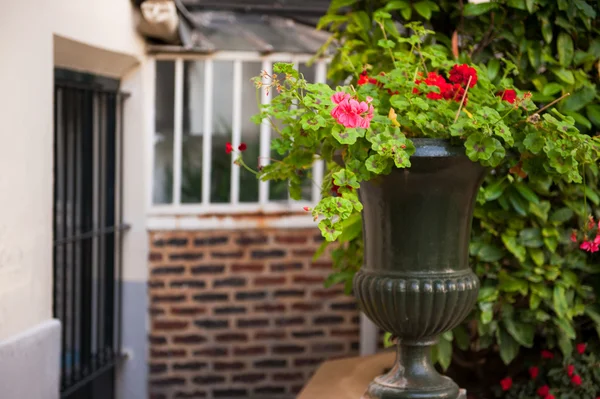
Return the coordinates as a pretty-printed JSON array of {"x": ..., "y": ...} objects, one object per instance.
[
  {"x": 88, "y": 229},
  {"x": 201, "y": 103}
]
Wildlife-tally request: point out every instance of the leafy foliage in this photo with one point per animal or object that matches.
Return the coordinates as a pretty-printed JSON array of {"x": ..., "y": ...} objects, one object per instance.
[
  {"x": 536, "y": 284},
  {"x": 576, "y": 376}
]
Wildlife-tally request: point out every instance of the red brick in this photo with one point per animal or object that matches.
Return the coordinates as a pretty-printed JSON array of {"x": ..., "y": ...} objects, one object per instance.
[
  {"x": 288, "y": 376},
  {"x": 307, "y": 307},
  {"x": 291, "y": 239},
  {"x": 250, "y": 377},
  {"x": 300, "y": 279},
  {"x": 169, "y": 325},
  {"x": 348, "y": 332},
  {"x": 327, "y": 293},
  {"x": 212, "y": 352},
  {"x": 247, "y": 268},
  {"x": 155, "y": 256},
  {"x": 304, "y": 252},
  {"x": 188, "y": 310},
  {"x": 169, "y": 353},
  {"x": 321, "y": 265},
  {"x": 270, "y": 335},
  {"x": 231, "y": 337},
  {"x": 249, "y": 351},
  {"x": 268, "y": 280},
  {"x": 270, "y": 308}
]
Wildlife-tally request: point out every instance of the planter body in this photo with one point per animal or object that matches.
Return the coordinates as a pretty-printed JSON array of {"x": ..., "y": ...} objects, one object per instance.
[{"x": 416, "y": 282}]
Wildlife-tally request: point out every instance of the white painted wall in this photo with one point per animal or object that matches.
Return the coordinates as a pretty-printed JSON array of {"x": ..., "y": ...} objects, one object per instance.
[{"x": 96, "y": 36}]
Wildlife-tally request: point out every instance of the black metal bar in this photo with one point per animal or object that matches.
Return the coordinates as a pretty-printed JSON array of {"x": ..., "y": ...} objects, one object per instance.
[
  {"x": 101, "y": 220},
  {"x": 96, "y": 88},
  {"x": 120, "y": 109},
  {"x": 73, "y": 245},
  {"x": 87, "y": 225},
  {"x": 93, "y": 233},
  {"x": 91, "y": 377},
  {"x": 65, "y": 152}
]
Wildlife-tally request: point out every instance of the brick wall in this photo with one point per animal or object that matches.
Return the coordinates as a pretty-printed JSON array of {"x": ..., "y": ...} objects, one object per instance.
[{"x": 242, "y": 314}]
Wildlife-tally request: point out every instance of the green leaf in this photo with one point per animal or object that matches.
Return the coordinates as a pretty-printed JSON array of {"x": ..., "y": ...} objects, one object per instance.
[
  {"x": 345, "y": 136},
  {"x": 551, "y": 243},
  {"x": 530, "y": 5},
  {"x": 424, "y": 9},
  {"x": 559, "y": 300},
  {"x": 593, "y": 114},
  {"x": 551, "y": 89},
  {"x": 579, "y": 119},
  {"x": 494, "y": 190},
  {"x": 562, "y": 215},
  {"x": 337, "y": 4},
  {"x": 540, "y": 210},
  {"x": 526, "y": 192},
  {"x": 406, "y": 13},
  {"x": 490, "y": 253},
  {"x": 578, "y": 100},
  {"x": 564, "y": 45},
  {"x": 523, "y": 333},
  {"x": 513, "y": 247},
  {"x": 509, "y": 347},
  {"x": 397, "y": 5},
  {"x": 546, "y": 30},
  {"x": 519, "y": 4},
  {"x": 378, "y": 164},
  {"x": 473, "y": 10},
  {"x": 512, "y": 284},
  {"x": 534, "y": 142},
  {"x": 493, "y": 66},
  {"x": 344, "y": 178},
  {"x": 586, "y": 8},
  {"x": 462, "y": 338},
  {"x": 565, "y": 75},
  {"x": 362, "y": 19},
  {"x": 566, "y": 327},
  {"x": 386, "y": 43},
  {"x": 531, "y": 237},
  {"x": 444, "y": 353},
  {"x": 518, "y": 203},
  {"x": 537, "y": 255},
  {"x": 565, "y": 344}
]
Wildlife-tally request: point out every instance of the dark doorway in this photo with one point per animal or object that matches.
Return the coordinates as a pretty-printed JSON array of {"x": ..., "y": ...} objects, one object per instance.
[{"x": 87, "y": 231}]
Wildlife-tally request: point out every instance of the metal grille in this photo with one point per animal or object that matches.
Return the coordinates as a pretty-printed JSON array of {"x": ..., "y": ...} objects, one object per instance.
[{"x": 87, "y": 231}]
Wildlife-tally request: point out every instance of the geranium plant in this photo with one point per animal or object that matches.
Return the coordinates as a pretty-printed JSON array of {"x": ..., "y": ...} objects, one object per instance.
[
  {"x": 364, "y": 129},
  {"x": 553, "y": 376}
]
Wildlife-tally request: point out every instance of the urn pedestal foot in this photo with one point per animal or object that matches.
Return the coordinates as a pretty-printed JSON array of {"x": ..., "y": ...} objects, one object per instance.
[{"x": 413, "y": 376}]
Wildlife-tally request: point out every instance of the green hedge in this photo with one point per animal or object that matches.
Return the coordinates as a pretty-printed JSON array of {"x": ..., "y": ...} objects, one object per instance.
[{"x": 536, "y": 284}]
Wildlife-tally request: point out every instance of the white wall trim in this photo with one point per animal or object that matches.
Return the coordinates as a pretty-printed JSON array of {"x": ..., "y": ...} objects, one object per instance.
[{"x": 189, "y": 222}]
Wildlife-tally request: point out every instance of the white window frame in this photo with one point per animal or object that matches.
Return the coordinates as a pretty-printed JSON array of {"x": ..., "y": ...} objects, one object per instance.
[{"x": 178, "y": 215}]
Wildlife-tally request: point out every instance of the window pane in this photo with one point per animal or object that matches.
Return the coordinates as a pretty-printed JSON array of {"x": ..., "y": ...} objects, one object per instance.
[
  {"x": 163, "y": 136},
  {"x": 307, "y": 179},
  {"x": 193, "y": 132},
  {"x": 221, "y": 130},
  {"x": 250, "y": 132}
]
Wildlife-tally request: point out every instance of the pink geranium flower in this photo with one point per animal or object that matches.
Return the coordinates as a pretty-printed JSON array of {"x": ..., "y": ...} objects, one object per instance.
[{"x": 350, "y": 112}]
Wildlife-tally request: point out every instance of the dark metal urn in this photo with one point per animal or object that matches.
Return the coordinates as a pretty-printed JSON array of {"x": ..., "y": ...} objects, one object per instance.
[{"x": 416, "y": 282}]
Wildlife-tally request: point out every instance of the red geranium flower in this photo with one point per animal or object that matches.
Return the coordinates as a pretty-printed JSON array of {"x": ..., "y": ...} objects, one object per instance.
[
  {"x": 506, "y": 383},
  {"x": 581, "y": 347},
  {"x": 549, "y": 396},
  {"x": 591, "y": 246},
  {"x": 534, "y": 372},
  {"x": 576, "y": 380},
  {"x": 306, "y": 208},
  {"x": 543, "y": 391},
  {"x": 454, "y": 92},
  {"x": 546, "y": 354},
  {"x": 460, "y": 74},
  {"x": 228, "y": 148},
  {"x": 574, "y": 236},
  {"x": 509, "y": 95},
  {"x": 242, "y": 147},
  {"x": 570, "y": 370}
]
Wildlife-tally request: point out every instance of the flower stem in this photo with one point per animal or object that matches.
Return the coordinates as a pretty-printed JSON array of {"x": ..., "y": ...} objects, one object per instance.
[
  {"x": 548, "y": 105},
  {"x": 463, "y": 99}
]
